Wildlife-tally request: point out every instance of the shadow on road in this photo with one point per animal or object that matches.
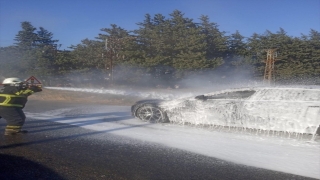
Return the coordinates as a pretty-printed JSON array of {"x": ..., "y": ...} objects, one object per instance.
[
  {"x": 15, "y": 167},
  {"x": 62, "y": 131}
]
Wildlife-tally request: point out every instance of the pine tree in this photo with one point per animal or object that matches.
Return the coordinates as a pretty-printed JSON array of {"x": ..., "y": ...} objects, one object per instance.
[
  {"x": 88, "y": 55},
  {"x": 216, "y": 41},
  {"x": 36, "y": 50},
  {"x": 10, "y": 62},
  {"x": 26, "y": 38},
  {"x": 187, "y": 44}
]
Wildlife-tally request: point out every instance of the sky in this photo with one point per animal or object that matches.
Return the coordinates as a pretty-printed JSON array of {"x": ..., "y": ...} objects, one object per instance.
[
  {"x": 71, "y": 21},
  {"x": 279, "y": 153}
]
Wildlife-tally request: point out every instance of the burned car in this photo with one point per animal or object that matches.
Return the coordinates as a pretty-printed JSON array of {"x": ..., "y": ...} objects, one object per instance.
[{"x": 287, "y": 109}]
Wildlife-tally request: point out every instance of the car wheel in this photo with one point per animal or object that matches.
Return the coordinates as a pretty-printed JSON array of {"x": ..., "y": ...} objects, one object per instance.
[{"x": 151, "y": 113}]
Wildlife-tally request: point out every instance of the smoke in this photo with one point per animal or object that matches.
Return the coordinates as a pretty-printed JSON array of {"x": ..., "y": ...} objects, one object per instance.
[
  {"x": 161, "y": 77},
  {"x": 1, "y": 79},
  {"x": 222, "y": 77}
]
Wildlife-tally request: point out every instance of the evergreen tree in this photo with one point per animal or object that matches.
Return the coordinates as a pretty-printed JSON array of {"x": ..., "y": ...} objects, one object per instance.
[
  {"x": 152, "y": 36},
  {"x": 35, "y": 50},
  {"x": 216, "y": 41},
  {"x": 314, "y": 55},
  {"x": 119, "y": 50},
  {"x": 88, "y": 55},
  {"x": 115, "y": 43},
  {"x": 10, "y": 62},
  {"x": 44, "y": 38},
  {"x": 187, "y": 44},
  {"x": 176, "y": 42},
  {"x": 46, "y": 52},
  {"x": 258, "y": 45},
  {"x": 64, "y": 63},
  {"x": 26, "y": 38},
  {"x": 161, "y": 45}
]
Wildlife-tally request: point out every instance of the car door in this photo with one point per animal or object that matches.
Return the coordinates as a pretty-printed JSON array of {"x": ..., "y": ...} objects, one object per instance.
[
  {"x": 282, "y": 109},
  {"x": 225, "y": 109}
]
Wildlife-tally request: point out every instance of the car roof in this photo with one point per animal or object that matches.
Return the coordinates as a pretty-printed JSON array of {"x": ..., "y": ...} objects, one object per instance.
[{"x": 256, "y": 88}]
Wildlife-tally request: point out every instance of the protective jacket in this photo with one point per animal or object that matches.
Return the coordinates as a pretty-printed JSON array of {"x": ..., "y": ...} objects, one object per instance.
[{"x": 13, "y": 96}]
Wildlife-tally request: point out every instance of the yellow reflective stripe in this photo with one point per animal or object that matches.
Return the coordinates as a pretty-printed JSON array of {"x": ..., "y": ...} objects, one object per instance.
[
  {"x": 20, "y": 92},
  {"x": 7, "y": 100},
  {"x": 13, "y": 127},
  {"x": 27, "y": 91},
  {"x": 10, "y": 95},
  {"x": 11, "y": 105}
]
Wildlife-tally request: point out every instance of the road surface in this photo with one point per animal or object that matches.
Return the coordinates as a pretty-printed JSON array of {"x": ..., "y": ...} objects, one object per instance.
[{"x": 54, "y": 150}]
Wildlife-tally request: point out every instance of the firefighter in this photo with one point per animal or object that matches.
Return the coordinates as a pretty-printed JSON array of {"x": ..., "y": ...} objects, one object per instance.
[{"x": 13, "y": 98}]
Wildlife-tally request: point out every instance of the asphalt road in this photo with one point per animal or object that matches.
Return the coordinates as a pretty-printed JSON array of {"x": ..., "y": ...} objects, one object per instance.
[{"x": 60, "y": 151}]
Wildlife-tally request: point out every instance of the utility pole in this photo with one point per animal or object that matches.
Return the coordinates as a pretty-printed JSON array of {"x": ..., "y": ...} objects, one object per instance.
[
  {"x": 110, "y": 48},
  {"x": 269, "y": 76},
  {"x": 113, "y": 46}
]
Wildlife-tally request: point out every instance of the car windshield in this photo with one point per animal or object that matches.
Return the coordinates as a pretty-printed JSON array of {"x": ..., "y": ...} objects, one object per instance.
[{"x": 232, "y": 95}]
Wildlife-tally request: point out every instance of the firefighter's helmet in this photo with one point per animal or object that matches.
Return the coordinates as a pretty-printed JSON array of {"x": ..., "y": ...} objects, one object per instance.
[{"x": 12, "y": 81}]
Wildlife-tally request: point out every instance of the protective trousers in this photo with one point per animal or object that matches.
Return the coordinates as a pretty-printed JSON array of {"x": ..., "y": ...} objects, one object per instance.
[{"x": 14, "y": 116}]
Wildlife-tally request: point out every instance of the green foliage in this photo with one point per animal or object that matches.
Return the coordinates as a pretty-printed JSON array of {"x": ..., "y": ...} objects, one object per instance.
[
  {"x": 88, "y": 55},
  {"x": 116, "y": 45},
  {"x": 64, "y": 63},
  {"x": 172, "y": 47},
  {"x": 9, "y": 60},
  {"x": 216, "y": 41},
  {"x": 25, "y": 39},
  {"x": 33, "y": 53},
  {"x": 177, "y": 42}
]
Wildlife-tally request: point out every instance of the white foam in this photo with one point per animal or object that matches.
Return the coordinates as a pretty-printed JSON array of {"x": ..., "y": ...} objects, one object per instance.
[
  {"x": 269, "y": 152},
  {"x": 274, "y": 153}
]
